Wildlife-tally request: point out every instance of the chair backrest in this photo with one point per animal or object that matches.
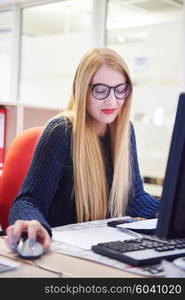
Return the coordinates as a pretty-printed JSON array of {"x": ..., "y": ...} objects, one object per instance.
[{"x": 15, "y": 167}]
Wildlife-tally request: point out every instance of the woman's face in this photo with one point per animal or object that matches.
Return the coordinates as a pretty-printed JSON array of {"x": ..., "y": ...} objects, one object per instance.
[{"x": 105, "y": 111}]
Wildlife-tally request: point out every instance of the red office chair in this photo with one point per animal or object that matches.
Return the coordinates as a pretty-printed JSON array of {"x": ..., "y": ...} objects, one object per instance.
[{"x": 15, "y": 167}]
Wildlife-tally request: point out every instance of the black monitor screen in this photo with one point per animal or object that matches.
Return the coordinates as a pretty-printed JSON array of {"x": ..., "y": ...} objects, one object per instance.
[{"x": 171, "y": 222}]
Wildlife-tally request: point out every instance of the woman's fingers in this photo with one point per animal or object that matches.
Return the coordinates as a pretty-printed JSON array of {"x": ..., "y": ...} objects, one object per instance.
[
  {"x": 34, "y": 229},
  {"x": 14, "y": 233},
  {"x": 11, "y": 244},
  {"x": 37, "y": 232}
]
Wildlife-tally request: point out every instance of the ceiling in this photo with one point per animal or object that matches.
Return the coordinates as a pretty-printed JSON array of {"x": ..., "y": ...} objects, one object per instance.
[
  {"x": 75, "y": 15},
  {"x": 8, "y": 2},
  {"x": 135, "y": 13}
]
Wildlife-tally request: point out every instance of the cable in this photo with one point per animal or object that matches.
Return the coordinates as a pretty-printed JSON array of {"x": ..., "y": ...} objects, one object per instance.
[
  {"x": 61, "y": 274},
  {"x": 33, "y": 263}
]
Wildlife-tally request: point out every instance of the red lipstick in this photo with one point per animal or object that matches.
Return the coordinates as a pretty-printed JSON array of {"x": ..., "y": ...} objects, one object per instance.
[{"x": 108, "y": 111}]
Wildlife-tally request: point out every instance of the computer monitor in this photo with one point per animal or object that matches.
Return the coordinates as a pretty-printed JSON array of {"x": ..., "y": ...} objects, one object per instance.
[{"x": 171, "y": 221}]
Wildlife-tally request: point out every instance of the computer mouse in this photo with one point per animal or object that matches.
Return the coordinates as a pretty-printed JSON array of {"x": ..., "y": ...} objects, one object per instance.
[{"x": 29, "y": 249}]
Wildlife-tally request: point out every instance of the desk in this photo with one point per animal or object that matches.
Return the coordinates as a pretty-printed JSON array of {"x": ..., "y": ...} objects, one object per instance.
[{"x": 70, "y": 266}]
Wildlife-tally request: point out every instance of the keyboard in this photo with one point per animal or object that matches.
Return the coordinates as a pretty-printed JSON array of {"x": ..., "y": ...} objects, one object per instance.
[{"x": 142, "y": 251}]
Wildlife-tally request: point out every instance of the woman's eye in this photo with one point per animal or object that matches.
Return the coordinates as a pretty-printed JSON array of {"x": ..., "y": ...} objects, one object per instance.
[
  {"x": 120, "y": 91},
  {"x": 100, "y": 90}
]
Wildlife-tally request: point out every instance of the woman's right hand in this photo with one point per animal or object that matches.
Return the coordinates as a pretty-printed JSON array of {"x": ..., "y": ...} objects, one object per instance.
[{"x": 34, "y": 229}]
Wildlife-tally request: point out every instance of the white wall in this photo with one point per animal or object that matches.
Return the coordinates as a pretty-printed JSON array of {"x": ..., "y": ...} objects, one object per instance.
[
  {"x": 49, "y": 64},
  {"x": 156, "y": 90}
]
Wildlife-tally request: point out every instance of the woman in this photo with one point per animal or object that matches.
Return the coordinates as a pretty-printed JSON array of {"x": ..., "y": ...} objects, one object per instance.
[{"x": 85, "y": 164}]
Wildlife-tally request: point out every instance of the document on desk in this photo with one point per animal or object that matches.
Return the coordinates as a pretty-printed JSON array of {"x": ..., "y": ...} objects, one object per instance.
[
  {"x": 76, "y": 240},
  {"x": 6, "y": 265},
  {"x": 88, "y": 237}
]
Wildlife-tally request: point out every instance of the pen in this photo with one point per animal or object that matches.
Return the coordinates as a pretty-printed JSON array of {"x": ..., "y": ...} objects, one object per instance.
[{"x": 129, "y": 232}]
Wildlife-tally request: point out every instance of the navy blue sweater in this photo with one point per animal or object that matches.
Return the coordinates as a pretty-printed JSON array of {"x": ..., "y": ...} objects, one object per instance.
[{"x": 46, "y": 194}]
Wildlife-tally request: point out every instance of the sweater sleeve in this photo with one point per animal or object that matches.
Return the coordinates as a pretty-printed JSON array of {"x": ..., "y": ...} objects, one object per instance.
[
  {"x": 42, "y": 179},
  {"x": 141, "y": 204}
]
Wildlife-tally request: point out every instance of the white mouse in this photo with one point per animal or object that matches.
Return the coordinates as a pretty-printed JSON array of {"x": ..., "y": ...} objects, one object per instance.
[{"x": 29, "y": 249}]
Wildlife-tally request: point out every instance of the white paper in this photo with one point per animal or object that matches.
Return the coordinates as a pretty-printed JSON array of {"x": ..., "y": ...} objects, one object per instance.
[
  {"x": 6, "y": 265},
  {"x": 88, "y": 225},
  {"x": 75, "y": 249},
  {"x": 85, "y": 238},
  {"x": 144, "y": 224},
  {"x": 171, "y": 270}
]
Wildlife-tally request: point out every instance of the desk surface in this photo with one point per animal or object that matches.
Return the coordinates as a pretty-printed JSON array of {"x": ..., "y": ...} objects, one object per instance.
[{"x": 68, "y": 265}]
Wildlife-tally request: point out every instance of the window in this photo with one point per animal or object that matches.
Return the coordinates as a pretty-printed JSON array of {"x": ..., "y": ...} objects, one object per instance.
[
  {"x": 6, "y": 24},
  {"x": 148, "y": 34},
  {"x": 54, "y": 37}
]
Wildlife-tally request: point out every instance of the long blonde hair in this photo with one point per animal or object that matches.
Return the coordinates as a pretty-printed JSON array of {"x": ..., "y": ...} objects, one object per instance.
[{"x": 90, "y": 185}]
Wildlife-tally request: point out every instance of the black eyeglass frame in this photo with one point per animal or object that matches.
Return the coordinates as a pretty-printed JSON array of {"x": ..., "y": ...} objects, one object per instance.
[{"x": 127, "y": 85}]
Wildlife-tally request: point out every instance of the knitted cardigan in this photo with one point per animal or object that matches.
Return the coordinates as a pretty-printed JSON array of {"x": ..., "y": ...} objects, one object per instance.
[{"x": 47, "y": 191}]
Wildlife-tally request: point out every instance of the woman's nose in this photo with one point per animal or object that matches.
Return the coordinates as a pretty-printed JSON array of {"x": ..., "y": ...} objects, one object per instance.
[{"x": 111, "y": 97}]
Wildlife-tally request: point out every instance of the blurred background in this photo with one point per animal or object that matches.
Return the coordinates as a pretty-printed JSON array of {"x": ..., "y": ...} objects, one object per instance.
[{"x": 42, "y": 42}]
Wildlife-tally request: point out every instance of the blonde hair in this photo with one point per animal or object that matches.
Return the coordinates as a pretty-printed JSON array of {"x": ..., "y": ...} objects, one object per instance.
[{"x": 90, "y": 184}]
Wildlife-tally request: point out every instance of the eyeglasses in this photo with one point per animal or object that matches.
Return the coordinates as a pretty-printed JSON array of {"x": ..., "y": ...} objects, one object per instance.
[{"x": 102, "y": 91}]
